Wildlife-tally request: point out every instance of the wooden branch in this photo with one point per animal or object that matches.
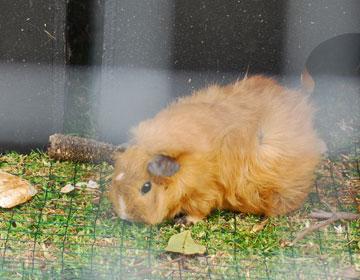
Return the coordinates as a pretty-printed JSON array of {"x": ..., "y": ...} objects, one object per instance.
[
  {"x": 330, "y": 218},
  {"x": 78, "y": 149}
]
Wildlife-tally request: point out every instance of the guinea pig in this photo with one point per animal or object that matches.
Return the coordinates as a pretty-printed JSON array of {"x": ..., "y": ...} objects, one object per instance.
[{"x": 249, "y": 147}]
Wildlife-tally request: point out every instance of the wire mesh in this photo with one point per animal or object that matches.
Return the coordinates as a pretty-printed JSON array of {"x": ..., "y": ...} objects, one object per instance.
[{"x": 77, "y": 236}]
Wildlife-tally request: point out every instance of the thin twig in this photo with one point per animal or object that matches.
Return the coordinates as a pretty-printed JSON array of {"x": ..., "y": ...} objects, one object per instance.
[{"x": 330, "y": 218}]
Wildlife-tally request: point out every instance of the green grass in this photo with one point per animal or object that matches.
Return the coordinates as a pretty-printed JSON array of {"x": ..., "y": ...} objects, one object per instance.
[{"x": 76, "y": 235}]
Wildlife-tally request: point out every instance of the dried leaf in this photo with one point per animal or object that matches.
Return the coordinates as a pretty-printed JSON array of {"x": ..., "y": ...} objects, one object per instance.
[
  {"x": 67, "y": 188},
  {"x": 184, "y": 244},
  {"x": 14, "y": 190},
  {"x": 260, "y": 226}
]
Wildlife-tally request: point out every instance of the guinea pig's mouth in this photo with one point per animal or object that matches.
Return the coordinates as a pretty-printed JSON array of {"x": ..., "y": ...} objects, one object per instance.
[
  {"x": 122, "y": 210},
  {"x": 136, "y": 216}
]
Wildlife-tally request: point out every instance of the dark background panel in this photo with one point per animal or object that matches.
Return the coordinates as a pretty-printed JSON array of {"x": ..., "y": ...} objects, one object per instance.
[
  {"x": 138, "y": 33},
  {"x": 229, "y": 35},
  {"x": 84, "y": 48},
  {"x": 31, "y": 31},
  {"x": 32, "y": 74},
  {"x": 136, "y": 64},
  {"x": 311, "y": 22}
]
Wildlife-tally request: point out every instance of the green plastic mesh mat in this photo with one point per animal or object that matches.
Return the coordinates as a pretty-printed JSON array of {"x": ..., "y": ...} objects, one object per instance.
[{"x": 77, "y": 236}]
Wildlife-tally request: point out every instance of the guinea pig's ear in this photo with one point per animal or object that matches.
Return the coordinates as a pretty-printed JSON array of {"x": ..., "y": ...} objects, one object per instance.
[{"x": 163, "y": 166}]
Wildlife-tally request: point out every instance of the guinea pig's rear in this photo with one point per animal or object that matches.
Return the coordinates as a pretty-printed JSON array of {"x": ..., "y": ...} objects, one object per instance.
[{"x": 275, "y": 169}]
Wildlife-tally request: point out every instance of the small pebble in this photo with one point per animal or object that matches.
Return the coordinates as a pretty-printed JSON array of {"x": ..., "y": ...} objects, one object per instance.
[
  {"x": 67, "y": 188},
  {"x": 92, "y": 185}
]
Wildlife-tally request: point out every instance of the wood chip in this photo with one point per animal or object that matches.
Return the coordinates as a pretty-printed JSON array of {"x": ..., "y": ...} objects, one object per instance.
[{"x": 14, "y": 190}]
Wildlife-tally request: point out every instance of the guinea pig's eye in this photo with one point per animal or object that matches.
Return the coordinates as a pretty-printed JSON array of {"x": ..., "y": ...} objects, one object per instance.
[{"x": 146, "y": 188}]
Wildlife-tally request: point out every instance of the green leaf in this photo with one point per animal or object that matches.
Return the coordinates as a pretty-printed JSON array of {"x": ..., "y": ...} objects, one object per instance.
[{"x": 184, "y": 244}]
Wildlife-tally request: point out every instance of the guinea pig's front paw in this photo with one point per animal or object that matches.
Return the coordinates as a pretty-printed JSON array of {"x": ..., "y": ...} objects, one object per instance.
[{"x": 187, "y": 220}]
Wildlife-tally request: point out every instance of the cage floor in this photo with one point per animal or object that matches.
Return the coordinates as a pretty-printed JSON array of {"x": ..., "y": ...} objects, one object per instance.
[{"x": 77, "y": 236}]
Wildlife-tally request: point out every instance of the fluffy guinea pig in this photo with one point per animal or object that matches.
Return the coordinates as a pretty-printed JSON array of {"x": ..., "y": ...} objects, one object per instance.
[{"x": 249, "y": 147}]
